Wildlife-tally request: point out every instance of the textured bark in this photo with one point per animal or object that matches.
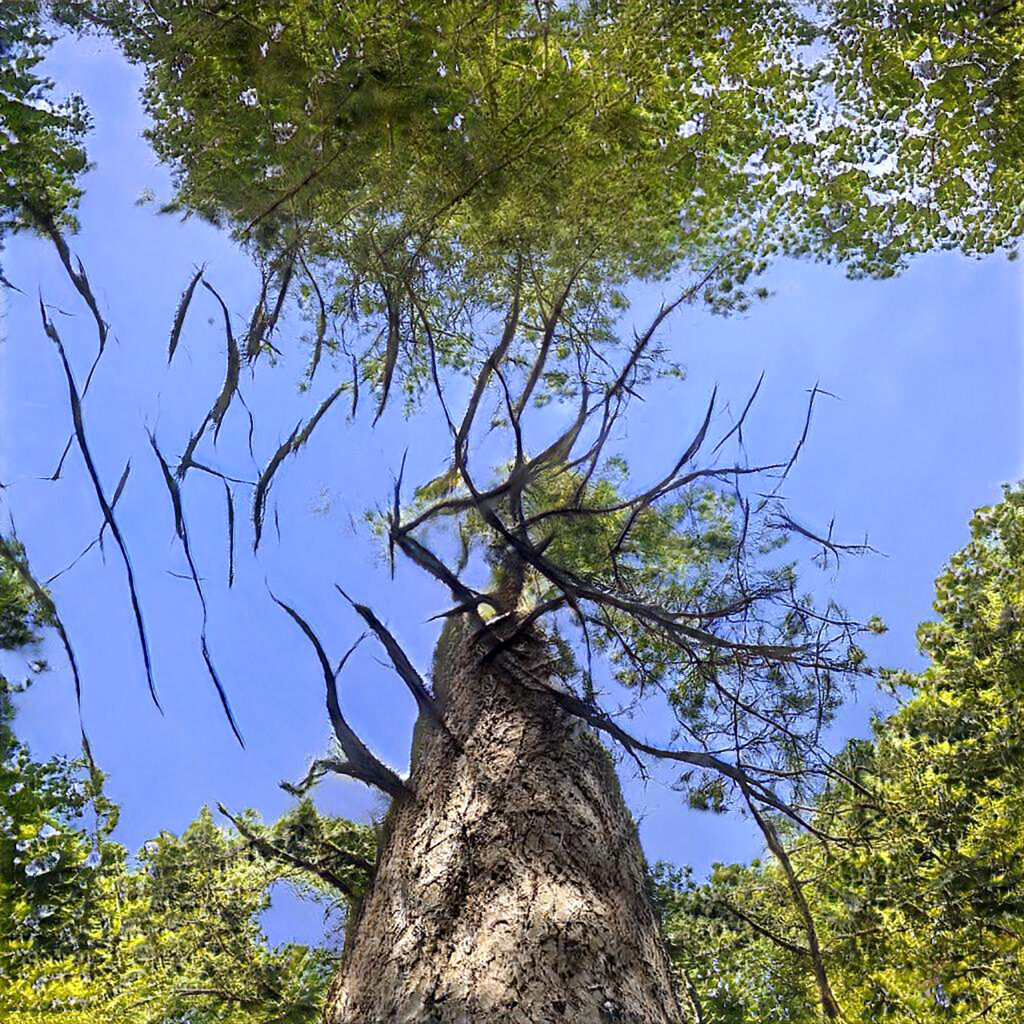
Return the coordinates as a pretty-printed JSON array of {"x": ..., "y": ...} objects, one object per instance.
[{"x": 511, "y": 889}]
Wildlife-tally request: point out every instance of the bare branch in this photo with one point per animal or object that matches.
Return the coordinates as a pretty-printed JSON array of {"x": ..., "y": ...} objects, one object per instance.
[
  {"x": 182, "y": 531},
  {"x": 220, "y": 407},
  {"x": 550, "y": 325},
  {"x": 274, "y": 852},
  {"x": 321, "y": 321},
  {"x": 784, "y": 521},
  {"x": 390, "y": 349},
  {"x": 108, "y": 512},
  {"x": 179, "y": 316},
  {"x": 484, "y": 376},
  {"x": 360, "y": 764},
  {"x": 737, "y": 427},
  {"x": 403, "y": 666},
  {"x": 46, "y": 602},
  {"x": 98, "y": 539},
  {"x": 829, "y": 1005},
  {"x": 259, "y": 500}
]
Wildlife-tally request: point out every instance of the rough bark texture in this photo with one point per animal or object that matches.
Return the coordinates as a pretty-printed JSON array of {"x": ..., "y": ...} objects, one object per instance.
[{"x": 511, "y": 888}]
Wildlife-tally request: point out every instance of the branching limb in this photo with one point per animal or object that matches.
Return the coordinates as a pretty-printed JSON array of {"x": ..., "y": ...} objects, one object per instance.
[
  {"x": 98, "y": 539},
  {"x": 46, "y": 602},
  {"x": 182, "y": 531},
  {"x": 829, "y": 1005},
  {"x": 274, "y": 852},
  {"x": 399, "y": 659},
  {"x": 108, "y": 512},
  {"x": 360, "y": 764}
]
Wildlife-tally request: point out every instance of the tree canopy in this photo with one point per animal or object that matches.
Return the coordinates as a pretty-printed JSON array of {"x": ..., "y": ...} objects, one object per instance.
[
  {"x": 932, "y": 94},
  {"x": 469, "y": 131}
]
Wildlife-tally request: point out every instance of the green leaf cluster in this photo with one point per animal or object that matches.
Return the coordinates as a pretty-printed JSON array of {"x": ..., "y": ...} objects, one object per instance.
[
  {"x": 21, "y": 612},
  {"x": 924, "y": 141},
  {"x": 41, "y": 150}
]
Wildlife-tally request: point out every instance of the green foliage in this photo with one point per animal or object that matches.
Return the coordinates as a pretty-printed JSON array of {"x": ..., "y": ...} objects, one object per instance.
[
  {"x": 425, "y": 162},
  {"x": 920, "y": 906},
  {"x": 419, "y": 154},
  {"x": 942, "y": 882},
  {"x": 55, "y": 893},
  {"x": 734, "y": 973},
  {"x": 40, "y": 140},
  {"x": 193, "y": 933},
  {"x": 490, "y": 127},
  {"x": 89, "y": 935},
  {"x": 21, "y": 613},
  {"x": 50, "y": 872},
  {"x": 926, "y": 150}
]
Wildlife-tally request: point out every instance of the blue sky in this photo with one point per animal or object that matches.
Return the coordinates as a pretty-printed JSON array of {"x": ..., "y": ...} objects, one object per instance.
[{"x": 929, "y": 421}]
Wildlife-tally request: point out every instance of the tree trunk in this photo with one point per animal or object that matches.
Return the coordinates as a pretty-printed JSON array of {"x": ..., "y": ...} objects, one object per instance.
[{"x": 511, "y": 887}]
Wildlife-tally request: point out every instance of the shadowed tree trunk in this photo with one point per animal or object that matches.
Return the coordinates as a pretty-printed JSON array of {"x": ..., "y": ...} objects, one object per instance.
[{"x": 511, "y": 885}]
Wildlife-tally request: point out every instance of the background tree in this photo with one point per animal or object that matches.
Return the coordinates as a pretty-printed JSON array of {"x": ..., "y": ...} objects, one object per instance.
[
  {"x": 89, "y": 934},
  {"x": 920, "y": 905}
]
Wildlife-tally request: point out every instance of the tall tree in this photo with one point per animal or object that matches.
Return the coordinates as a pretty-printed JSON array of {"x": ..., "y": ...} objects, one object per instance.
[{"x": 465, "y": 191}]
